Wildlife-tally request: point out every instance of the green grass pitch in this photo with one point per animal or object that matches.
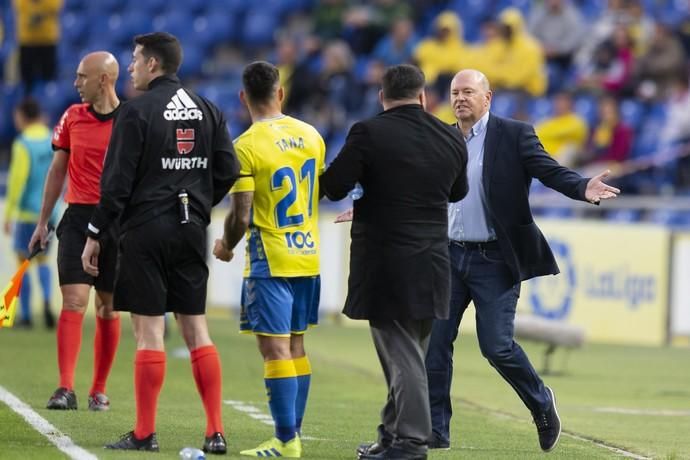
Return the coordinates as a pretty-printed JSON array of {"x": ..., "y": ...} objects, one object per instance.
[{"x": 636, "y": 399}]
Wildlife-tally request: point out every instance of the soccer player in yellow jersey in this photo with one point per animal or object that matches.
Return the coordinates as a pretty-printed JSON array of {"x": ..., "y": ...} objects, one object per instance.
[{"x": 275, "y": 203}]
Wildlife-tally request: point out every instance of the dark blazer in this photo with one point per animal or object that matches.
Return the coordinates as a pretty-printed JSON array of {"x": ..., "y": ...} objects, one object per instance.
[
  {"x": 410, "y": 164},
  {"x": 513, "y": 155}
]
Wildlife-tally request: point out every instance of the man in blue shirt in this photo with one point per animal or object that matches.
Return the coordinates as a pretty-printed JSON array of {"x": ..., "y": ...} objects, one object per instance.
[{"x": 32, "y": 154}]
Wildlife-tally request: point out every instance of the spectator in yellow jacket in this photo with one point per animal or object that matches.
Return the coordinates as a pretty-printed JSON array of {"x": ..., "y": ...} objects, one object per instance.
[
  {"x": 563, "y": 135},
  {"x": 521, "y": 65},
  {"x": 38, "y": 32},
  {"x": 445, "y": 53}
]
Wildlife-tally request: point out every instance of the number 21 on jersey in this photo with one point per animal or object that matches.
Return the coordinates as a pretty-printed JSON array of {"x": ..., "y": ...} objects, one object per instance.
[{"x": 278, "y": 182}]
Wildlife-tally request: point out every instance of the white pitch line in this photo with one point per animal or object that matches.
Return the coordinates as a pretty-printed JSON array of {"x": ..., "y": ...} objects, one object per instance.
[
  {"x": 43, "y": 426},
  {"x": 652, "y": 412},
  {"x": 255, "y": 413}
]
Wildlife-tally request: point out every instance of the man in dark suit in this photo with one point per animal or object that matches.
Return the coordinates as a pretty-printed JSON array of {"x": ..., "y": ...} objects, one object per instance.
[
  {"x": 410, "y": 165},
  {"x": 494, "y": 245}
]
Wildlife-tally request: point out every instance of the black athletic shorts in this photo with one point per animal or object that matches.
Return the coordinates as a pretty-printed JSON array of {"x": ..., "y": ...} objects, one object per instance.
[
  {"x": 162, "y": 267},
  {"x": 71, "y": 233}
]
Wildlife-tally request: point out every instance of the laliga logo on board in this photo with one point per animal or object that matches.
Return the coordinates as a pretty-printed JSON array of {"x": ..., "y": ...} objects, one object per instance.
[
  {"x": 551, "y": 297},
  {"x": 182, "y": 107}
]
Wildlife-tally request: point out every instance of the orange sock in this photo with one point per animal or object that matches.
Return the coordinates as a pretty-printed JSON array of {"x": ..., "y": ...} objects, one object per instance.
[
  {"x": 68, "y": 345},
  {"x": 207, "y": 375},
  {"x": 104, "y": 348},
  {"x": 149, "y": 372}
]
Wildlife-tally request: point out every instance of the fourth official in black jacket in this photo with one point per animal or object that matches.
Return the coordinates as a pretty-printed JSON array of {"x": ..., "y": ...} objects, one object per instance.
[{"x": 410, "y": 165}]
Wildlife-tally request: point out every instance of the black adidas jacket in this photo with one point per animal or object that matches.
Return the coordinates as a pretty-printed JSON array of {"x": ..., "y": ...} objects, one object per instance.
[{"x": 163, "y": 141}]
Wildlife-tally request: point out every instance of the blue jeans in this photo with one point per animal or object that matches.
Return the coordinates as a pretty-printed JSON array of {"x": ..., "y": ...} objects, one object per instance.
[{"x": 480, "y": 275}]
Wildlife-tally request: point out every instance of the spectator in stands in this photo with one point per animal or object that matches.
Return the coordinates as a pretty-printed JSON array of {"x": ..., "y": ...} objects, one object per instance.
[
  {"x": 32, "y": 154},
  {"x": 640, "y": 26},
  {"x": 615, "y": 14},
  {"x": 559, "y": 27},
  {"x": 612, "y": 65},
  {"x": 611, "y": 139},
  {"x": 365, "y": 24},
  {"x": 370, "y": 103},
  {"x": 491, "y": 48},
  {"x": 327, "y": 18},
  {"x": 564, "y": 134},
  {"x": 676, "y": 131},
  {"x": 521, "y": 67},
  {"x": 446, "y": 52},
  {"x": 657, "y": 68},
  {"x": 304, "y": 76},
  {"x": 398, "y": 45},
  {"x": 38, "y": 32},
  {"x": 286, "y": 57}
]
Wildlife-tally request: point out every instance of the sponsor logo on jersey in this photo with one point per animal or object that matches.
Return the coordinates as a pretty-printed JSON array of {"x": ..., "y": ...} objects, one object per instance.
[
  {"x": 185, "y": 140},
  {"x": 182, "y": 107},
  {"x": 184, "y": 163}
]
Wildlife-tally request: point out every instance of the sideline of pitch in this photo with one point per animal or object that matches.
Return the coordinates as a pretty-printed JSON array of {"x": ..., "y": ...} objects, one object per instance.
[{"x": 43, "y": 426}]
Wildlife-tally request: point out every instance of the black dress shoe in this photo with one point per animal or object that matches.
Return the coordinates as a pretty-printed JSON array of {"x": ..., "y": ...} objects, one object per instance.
[
  {"x": 372, "y": 448},
  {"x": 215, "y": 444},
  {"x": 129, "y": 442},
  {"x": 62, "y": 399},
  {"x": 548, "y": 425},
  {"x": 395, "y": 453},
  {"x": 438, "y": 443}
]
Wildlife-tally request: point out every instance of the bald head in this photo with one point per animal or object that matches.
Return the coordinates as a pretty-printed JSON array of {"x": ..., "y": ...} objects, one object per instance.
[
  {"x": 102, "y": 62},
  {"x": 473, "y": 76},
  {"x": 470, "y": 96},
  {"x": 96, "y": 77}
]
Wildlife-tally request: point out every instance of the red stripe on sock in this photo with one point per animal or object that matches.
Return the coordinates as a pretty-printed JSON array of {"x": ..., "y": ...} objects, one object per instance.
[
  {"x": 149, "y": 373},
  {"x": 209, "y": 381},
  {"x": 68, "y": 345},
  {"x": 104, "y": 348}
]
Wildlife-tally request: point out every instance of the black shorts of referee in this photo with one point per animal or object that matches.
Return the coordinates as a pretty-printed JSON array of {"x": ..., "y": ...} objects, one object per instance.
[
  {"x": 71, "y": 233},
  {"x": 162, "y": 267}
]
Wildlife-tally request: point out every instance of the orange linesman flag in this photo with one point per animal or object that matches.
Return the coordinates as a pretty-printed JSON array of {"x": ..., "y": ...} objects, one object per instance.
[{"x": 10, "y": 296}]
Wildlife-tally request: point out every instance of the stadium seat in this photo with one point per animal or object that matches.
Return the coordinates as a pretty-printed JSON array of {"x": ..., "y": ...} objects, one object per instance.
[
  {"x": 670, "y": 217},
  {"x": 214, "y": 27},
  {"x": 150, "y": 8},
  {"x": 258, "y": 28},
  {"x": 192, "y": 62},
  {"x": 74, "y": 26},
  {"x": 632, "y": 112},
  {"x": 504, "y": 104},
  {"x": 539, "y": 108},
  {"x": 624, "y": 215},
  {"x": 122, "y": 28},
  {"x": 177, "y": 23},
  {"x": 586, "y": 107}
]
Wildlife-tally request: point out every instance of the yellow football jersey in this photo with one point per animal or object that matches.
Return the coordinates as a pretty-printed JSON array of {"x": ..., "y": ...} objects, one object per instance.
[{"x": 280, "y": 161}]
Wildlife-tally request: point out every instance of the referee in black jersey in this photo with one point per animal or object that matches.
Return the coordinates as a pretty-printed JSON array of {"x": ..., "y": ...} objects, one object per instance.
[{"x": 170, "y": 159}]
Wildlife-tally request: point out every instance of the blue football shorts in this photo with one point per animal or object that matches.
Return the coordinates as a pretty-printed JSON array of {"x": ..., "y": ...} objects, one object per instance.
[{"x": 280, "y": 306}]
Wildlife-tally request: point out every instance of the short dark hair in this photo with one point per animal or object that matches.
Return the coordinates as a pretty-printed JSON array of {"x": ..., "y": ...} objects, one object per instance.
[
  {"x": 403, "y": 81},
  {"x": 29, "y": 108},
  {"x": 164, "y": 47},
  {"x": 260, "y": 79}
]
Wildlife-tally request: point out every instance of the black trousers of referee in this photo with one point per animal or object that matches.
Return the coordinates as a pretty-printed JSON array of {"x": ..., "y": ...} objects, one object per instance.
[{"x": 401, "y": 346}]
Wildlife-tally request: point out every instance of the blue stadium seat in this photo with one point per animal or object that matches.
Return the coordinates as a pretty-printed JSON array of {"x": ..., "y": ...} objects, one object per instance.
[
  {"x": 214, "y": 27},
  {"x": 74, "y": 26},
  {"x": 175, "y": 22},
  {"x": 646, "y": 138},
  {"x": 123, "y": 28},
  {"x": 192, "y": 62},
  {"x": 539, "y": 108},
  {"x": 504, "y": 104},
  {"x": 669, "y": 217},
  {"x": 624, "y": 215},
  {"x": 632, "y": 112},
  {"x": 523, "y": 5},
  {"x": 149, "y": 8},
  {"x": 259, "y": 27},
  {"x": 107, "y": 6},
  {"x": 586, "y": 107}
]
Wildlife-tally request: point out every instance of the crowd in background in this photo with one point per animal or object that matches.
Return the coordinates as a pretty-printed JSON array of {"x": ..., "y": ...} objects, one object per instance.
[{"x": 603, "y": 81}]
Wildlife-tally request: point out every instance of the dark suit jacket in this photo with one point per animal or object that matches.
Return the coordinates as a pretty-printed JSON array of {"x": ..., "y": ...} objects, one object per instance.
[
  {"x": 513, "y": 155},
  {"x": 410, "y": 164}
]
